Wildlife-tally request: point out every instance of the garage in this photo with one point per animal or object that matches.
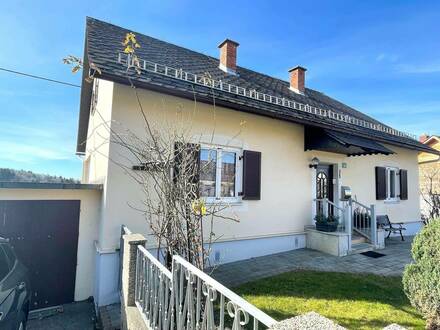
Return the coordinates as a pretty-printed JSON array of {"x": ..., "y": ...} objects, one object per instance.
[
  {"x": 52, "y": 228},
  {"x": 44, "y": 235}
]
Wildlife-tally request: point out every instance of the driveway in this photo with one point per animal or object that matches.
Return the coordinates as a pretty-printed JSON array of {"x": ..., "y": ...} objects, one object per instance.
[{"x": 75, "y": 316}]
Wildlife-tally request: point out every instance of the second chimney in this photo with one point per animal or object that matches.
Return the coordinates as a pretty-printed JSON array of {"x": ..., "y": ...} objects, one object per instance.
[
  {"x": 424, "y": 137},
  {"x": 228, "y": 56},
  {"x": 298, "y": 79}
]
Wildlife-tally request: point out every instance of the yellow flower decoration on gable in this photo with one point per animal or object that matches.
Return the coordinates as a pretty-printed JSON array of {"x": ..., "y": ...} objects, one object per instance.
[{"x": 130, "y": 43}]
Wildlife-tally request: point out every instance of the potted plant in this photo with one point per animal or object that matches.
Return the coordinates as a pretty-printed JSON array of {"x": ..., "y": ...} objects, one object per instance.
[{"x": 326, "y": 224}]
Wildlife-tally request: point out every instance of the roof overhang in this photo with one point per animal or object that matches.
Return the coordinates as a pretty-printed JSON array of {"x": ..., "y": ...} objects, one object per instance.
[
  {"x": 84, "y": 106},
  {"x": 341, "y": 143}
]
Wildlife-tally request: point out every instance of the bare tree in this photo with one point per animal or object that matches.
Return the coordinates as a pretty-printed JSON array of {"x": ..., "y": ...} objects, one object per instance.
[{"x": 168, "y": 168}]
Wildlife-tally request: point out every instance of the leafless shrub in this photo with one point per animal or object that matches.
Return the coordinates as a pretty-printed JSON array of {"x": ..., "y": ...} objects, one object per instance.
[
  {"x": 165, "y": 162},
  {"x": 430, "y": 190}
]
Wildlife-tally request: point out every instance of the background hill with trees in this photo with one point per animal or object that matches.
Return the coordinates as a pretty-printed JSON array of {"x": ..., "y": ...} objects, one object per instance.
[{"x": 11, "y": 175}]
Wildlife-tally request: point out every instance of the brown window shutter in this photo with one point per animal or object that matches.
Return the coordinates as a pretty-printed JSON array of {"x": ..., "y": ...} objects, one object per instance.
[
  {"x": 403, "y": 184},
  {"x": 381, "y": 183},
  {"x": 251, "y": 175}
]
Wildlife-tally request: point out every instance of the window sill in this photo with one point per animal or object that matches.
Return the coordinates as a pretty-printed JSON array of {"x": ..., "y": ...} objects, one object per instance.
[
  {"x": 392, "y": 201},
  {"x": 228, "y": 201}
]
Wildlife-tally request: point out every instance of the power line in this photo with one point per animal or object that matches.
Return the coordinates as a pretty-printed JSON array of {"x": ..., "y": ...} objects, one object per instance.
[{"x": 39, "y": 77}]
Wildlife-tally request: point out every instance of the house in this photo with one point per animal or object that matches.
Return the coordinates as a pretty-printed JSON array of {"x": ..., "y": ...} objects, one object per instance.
[
  {"x": 429, "y": 168},
  {"x": 297, "y": 146}
]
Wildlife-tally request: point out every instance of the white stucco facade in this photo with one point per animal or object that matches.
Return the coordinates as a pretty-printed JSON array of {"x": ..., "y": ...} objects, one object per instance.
[{"x": 272, "y": 224}]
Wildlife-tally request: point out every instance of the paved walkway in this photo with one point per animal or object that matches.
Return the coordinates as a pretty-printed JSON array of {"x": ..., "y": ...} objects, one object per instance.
[
  {"x": 397, "y": 255},
  {"x": 75, "y": 316},
  {"x": 110, "y": 317}
]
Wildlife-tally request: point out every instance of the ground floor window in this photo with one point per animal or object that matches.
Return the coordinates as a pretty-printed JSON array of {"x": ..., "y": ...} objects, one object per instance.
[
  {"x": 392, "y": 183},
  {"x": 219, "y": 173}
]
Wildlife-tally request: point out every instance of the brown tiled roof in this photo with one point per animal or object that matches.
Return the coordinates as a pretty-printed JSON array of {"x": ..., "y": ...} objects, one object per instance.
[{"x": 103, "y": 44}]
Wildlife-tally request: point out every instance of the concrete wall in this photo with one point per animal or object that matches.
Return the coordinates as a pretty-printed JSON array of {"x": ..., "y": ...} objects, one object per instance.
[
  {"x": 88, "y": 228},
  {"x": 95, "y": 167},
  {"x": 334, "y": 243},
  {"x": 96, "y": 159}
]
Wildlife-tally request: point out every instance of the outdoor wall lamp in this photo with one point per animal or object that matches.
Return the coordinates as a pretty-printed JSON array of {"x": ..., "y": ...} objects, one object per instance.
[{"x": 314, "y": 163}]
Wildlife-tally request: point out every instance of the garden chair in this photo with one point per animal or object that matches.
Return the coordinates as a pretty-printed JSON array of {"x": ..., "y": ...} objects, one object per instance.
[{"x": 384, "y": 222}]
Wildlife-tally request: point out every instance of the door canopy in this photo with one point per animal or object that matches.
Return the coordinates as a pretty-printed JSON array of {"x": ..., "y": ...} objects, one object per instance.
[{"x": 341, "y": 143}]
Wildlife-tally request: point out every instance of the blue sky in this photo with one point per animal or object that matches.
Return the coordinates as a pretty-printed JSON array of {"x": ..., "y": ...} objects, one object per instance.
[{"x": 381, "y": 57}]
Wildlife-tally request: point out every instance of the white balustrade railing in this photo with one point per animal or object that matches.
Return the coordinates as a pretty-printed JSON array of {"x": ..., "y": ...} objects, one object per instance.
[
  {"x": 364, "y": 220},
  {"x": 153, "y": 291},
  {"x": 353, "y": 216},
  {"x": 205, "y": 80},
  {"x": 328, "y": 208},
  {"x": 188, "y": 298}
]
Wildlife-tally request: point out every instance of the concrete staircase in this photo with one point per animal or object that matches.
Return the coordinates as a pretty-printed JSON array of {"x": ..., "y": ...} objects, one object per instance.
[
  {"x": 359, "y": 244},
  {"x": 357, "y": 239}
]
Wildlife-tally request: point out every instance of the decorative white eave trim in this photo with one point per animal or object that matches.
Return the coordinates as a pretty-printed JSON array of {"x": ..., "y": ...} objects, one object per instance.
[{"x": 207, "y": 81}]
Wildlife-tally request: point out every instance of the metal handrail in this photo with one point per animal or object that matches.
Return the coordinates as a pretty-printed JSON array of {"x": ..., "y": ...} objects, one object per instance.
[
  {"x": 330, "y": 202},
  {"x": 326, "y": 207},
  {"x": 153, "y": 291},
  {"x": 156, "y": 262},
  {"x": 206, "y": 81},
  {"x": 365, "y": 221},
  {"x": 360, "y": 204},
  {"x": 245, "y": 306},
  {"x": 186, "y": 297},
  {"x": 125, "y": 230}
]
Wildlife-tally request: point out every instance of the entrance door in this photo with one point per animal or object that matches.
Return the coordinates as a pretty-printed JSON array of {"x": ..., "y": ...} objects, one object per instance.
[
  {"x": 44, "y": 235},
  {"x": 324, "y": 185}
]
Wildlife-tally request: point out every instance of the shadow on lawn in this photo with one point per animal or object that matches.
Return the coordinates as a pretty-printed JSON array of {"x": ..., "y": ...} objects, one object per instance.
[{"x": 355, "y": 301}]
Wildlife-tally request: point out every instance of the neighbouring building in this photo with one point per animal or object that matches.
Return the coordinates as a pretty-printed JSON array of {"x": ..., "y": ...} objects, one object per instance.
[{"x": 429, "y": 167}]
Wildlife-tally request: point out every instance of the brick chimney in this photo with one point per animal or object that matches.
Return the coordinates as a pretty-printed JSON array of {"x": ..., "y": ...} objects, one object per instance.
[
  {"x": 424, "y": 137},
  {"x": 297, "y": 79},
  {"x": 228, "y": 56}
]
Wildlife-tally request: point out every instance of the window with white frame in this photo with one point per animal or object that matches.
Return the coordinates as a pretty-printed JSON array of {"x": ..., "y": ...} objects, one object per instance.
[
  {"x": 220, "y": 176},
  {"x": 392, "y": 183}
]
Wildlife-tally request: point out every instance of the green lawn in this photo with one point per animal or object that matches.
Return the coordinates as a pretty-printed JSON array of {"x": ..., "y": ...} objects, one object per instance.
[{"x": 355, "y": 301}]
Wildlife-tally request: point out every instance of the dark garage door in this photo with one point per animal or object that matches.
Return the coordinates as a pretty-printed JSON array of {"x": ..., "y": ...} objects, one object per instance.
[{"x": 44, "y": 234}]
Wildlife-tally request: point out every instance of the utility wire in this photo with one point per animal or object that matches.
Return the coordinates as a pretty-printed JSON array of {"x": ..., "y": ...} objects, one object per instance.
[{"x": 39, "y": 77}]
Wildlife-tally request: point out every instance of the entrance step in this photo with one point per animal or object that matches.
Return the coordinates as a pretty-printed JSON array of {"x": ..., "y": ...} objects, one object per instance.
[
  {"x": 360, "y": 248},
  {"x": 357, "y": 239}
]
